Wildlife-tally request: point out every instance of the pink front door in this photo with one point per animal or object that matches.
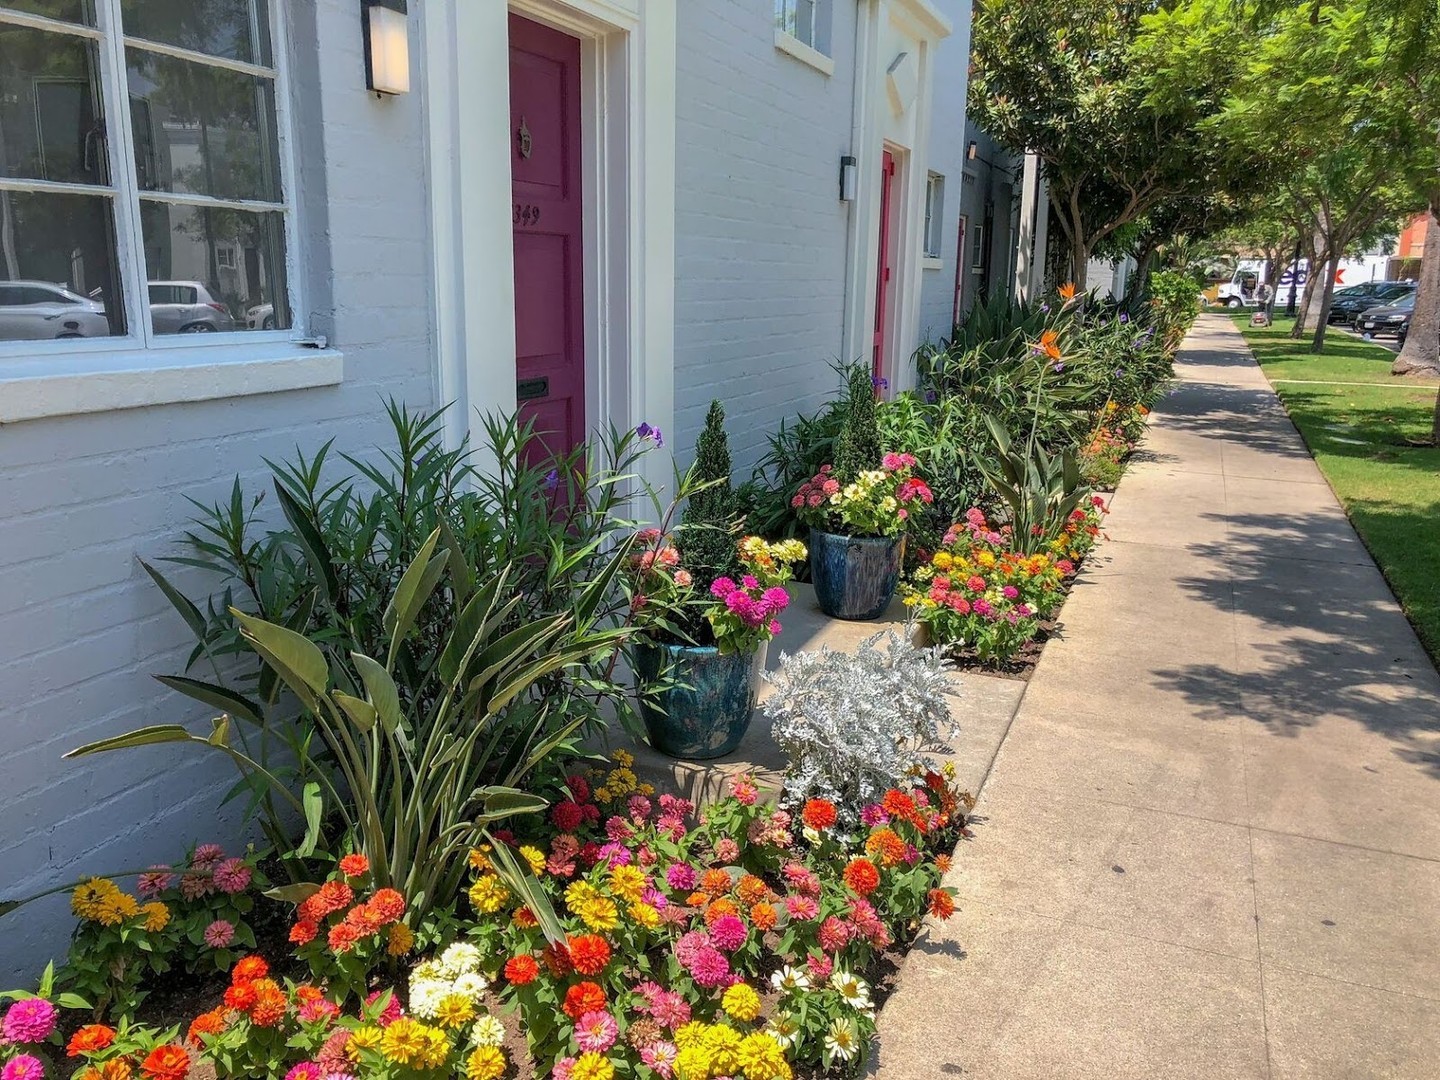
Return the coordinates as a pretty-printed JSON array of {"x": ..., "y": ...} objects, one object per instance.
[
  {"x": 546, "y": 214},
  {"x": 882, "y": 274}
]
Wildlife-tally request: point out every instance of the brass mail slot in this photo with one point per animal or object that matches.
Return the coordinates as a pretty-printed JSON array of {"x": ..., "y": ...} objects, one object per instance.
[{"x": 530, "y": 389}]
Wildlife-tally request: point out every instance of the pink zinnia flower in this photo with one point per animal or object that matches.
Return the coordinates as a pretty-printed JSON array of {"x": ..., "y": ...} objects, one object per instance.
[
  {"x": 721, "y": 587},
  {"x": 564, "y": 1069},
  {"x": 207, "y": 856},
  {"x": 710, "y": 968},
  {"x": 660, "y": 1056},
  {"x": 801, "y": 907},
  {"x": 744, "y": 790},
  {"x": 29, "y": 1021},
  {"x": 683, "y": 579},
  {"x": 617, "y": 829},
  {"x": 155, "y": 882},
  {"x": 681, "y": 876},
  {"x": 318, "y": 1009},
  {"x": 728, "y": 932},
  {"x": 820, "y": 967},
  {"x": 232, "y": 876},
  {"x": 596, "y": 1032},
  {"x": 874, "y": 814},
  {"x": 392, "y": 1010},
  {"x": 23, "y": 1067},
  {"x": 196, "y": 886},
  {"x": 219, "y": 934},
  {"x": 726, "y": 850},
  {"x": 639, "y": 807},
  {"x": 834, "y": 935},
  {"x": 689, "y": 946},
  {"x": 306, "y": 1070},
  {"x": 670, "y": 1010}
]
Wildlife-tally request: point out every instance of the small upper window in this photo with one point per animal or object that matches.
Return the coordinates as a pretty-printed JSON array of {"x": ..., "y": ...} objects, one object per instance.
[
  {"x": 934, "y": 215},
  {"x": 977, "y": 251},
  {"x": 141, "y": 168},
  {"x": 808, "y": 21}
]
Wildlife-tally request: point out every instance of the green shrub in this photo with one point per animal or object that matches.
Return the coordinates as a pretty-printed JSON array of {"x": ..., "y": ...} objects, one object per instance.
[
  {"x": 858, "y": 449},
  {"x": 706, "y": 537}
]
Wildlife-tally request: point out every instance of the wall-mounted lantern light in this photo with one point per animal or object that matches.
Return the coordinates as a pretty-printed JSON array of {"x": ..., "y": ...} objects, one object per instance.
[
  {"x": 387, "y": 46},
  {"x": 972, "y": 151},
  {"x": 848, "y": 177}
]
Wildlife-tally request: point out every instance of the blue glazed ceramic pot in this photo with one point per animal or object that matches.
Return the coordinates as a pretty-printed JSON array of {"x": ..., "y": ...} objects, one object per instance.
[
  {"x": 855, "y": 576},
  {"x": 705, "y": 711}
]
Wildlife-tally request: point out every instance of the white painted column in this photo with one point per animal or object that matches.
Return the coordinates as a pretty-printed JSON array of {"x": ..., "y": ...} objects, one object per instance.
[{"x": 1025, "y": 240}]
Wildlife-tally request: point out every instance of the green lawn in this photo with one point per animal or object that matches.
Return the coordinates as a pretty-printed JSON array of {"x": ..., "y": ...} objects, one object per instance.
[{"x": 1358, "y": 436}]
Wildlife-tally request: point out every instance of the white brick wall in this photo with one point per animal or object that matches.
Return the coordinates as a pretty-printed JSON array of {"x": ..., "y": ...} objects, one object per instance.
[
  {"x": 947, "y": 157},
  {"x": 760, "y": 229},
  {"x": 81, "y": 626}
]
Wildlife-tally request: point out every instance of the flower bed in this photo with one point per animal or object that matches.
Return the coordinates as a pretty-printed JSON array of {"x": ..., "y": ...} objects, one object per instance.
[{"x": 641, "y": 940}]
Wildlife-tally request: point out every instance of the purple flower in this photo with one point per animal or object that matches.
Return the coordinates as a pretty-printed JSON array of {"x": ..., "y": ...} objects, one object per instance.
[
  {"x": 1045, "y": 309},
  {"x": 649, "y": 431},
  {"x": 879, "y": 382},
  {"x": 1059, "y": 365},
  {"x": 1124, "y": 318},
  {"x": 552, "y": 479}
]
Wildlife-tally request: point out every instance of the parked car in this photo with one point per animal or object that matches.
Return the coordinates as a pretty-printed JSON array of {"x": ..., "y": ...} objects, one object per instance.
[
  {"x": 31, "y": 310},
  {"x": 261, "y": 317},
  {"x": 187, "y": 307},
  {"x": 1357, "y": 299},
  {"x": 1403, "y": 332},
  {"x": 1387, "y": 318}
]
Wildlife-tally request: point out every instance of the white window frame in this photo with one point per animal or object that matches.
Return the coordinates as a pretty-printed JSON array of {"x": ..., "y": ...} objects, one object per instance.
[
  {"x": 933, "y": 237},
  {"x": 977, "y": 250},
  {"x": 47, "y": 378},
  {"x": 815, "y": 50}
]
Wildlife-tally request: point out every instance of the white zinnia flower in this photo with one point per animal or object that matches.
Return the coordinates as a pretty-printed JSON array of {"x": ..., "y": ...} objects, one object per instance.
[
  {"x": 789, "y": 979},
  {"x": 841, "y": 1038},
  {"x": 472, "y": 984},
  {"x": 852, "y": 988},
  {"x": 458, "y": 959},
  {"x": 488, "y": 1031},
  {"x": 426, "y": 995},
  {"x": 784, "y": 1030}
]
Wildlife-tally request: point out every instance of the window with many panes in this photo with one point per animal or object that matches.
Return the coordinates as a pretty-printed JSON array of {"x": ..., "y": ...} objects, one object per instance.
[
  {"x": 808, "y": 21},
  {"x": 142, "y": 192}
]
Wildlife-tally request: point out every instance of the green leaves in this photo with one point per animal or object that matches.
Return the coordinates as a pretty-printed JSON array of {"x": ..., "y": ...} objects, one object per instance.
[
  {"x": 146, "y": 736},
  {"x": 414, "y": 589},
  {"x": 295, "y": 659}
]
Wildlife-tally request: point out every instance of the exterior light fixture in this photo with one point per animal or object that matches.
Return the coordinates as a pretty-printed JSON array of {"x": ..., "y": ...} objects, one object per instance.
[
  {"x": 387, "y": 46},
  {"x": 972, "y": 151},
  {"x": 848, "y": 177}
]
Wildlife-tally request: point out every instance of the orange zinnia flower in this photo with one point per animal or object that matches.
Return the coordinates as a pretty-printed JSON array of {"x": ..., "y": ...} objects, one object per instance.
[
  {"x": 942, "y": 904},
  {"x": 720, "y": 907},
  {"x": 354, "y": 866},
  {"x": 715, "y": 882},
  {"x": 168, "y": 1062},
  {"x": 589, "y": 953},
  {"x": 862, "y": 876},
  {"x": 1050, "y": 344},
  {"x": 819, "y": 814},
  {"x": 1067, "y": 291},
  {"x": 582, "y": 998},
  {"x": 248, "y": 970},
  {"x": 752, "y": 889},
  {"x": 763, "y": 916},
  {"x": 90, "y": 1039},
  {"x": 210, "y": 1023}
]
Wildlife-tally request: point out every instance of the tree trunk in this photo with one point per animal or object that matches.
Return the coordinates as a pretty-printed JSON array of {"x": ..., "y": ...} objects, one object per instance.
[
  {"x": 1315, "y": 255},
  {"x": 1322, "y": 314},
  {"x": 1140, "y": 283},
  {"x": 1079, "y": 263},
  {"x": 1421, "y": 354}
]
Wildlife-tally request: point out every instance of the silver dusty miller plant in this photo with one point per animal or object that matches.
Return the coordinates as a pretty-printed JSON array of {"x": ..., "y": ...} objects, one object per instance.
[{"x": 854, "y": 725}]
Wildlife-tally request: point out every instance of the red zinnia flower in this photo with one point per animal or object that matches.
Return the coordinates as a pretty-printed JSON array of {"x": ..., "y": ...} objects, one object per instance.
[
  {"x": 942, "y": 904},
  {"x": 303, "y": 932},
  {"x": 354, "y": 866},
  {"x": 248, "y": 969},
  {"x": 819, "y": 814},
  {"x": 582, "y": 998},
  {"x": 589, "y": 953},
  {"x": 240, "y": 997},
  {"x": 521, "y": 970},
  {"x": 168, "y": 1062}
]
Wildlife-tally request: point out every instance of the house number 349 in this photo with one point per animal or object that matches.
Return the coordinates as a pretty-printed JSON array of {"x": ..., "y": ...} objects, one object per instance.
[{"x": 526, "y": 214}]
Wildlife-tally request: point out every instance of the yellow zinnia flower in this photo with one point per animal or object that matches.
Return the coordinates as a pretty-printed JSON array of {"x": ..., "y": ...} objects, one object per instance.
[
  {"x": 534, "y": 858},
  {"x": 454, "y": 1010},
  {"x": 741, "y": 1002},
  {"x": 402, "y": 940},
  {"x": 592, "y": 1066},
  {"x": 488, "y": 894},
  {"x": 627, "y": 882},
  {"x": 486, "y": 1063},
  {"x": 92, "y": 897},
  {"x": 157, "y": 916}
]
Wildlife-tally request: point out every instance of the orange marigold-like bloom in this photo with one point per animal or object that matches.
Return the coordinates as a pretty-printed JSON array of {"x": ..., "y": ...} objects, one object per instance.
[
  {"x": 248, "y": 969},
  {"x": 763, "y": 916},
  {"x": 885, "y": 845},
  {"x": 942, "y": 904},
  {"x": 303, "y": 932},
  {"x": 364, "y": 919},
  {"x": 589, "y": 953},
  {"x": 862, "y": 876},
  {"x": 751, "y": 889},
  {"x": 898, "y": 804},
  {"x": 116, "y": 1069},
  {"x": 90, "y": 1039},
  {"x": 306, "y": 992},
  {"x": 698, "y": 899},
  {"x": 819, "y": 814},
  {"x": 354, "y": 866},
  {"x": 723, "y": 906},
  {"x": 270, "y": 1004},
  {"x": 522, "y": 970},
  {"x": 240, "y": 997},
  {"x": 342, "y": 937},
  {"x": 168, "y": 1062},
  {"x": 715, "y": 882},
  {"x": 208, "y": 1023},
  {"x": 333, "y": 896},
  {"x": 942, "y": 863},
  {"x": 582, "y": 998},
  {"x": 388, "y": 905}
]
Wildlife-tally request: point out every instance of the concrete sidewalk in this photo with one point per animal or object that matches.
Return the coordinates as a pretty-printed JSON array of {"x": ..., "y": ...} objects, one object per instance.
[{"x": 1211, "y": 838}]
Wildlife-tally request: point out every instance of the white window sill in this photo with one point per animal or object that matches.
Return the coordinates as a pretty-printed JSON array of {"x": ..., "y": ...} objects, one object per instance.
[
  {"x": 932, "y": 262},
  {"x": 103, "y": 381},
  {"x": 790, "y": 45}
]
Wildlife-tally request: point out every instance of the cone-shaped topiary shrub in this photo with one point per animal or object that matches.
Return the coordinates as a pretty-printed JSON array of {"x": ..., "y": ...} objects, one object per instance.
[
  {"x": 858, "y": 446},
  {"x": 706, "y": 537}
]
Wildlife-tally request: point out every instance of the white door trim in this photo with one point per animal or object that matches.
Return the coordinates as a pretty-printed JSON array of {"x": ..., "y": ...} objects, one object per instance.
[
  {"x": 886, "y": 29},
  {"x": 628, "y": 140}
]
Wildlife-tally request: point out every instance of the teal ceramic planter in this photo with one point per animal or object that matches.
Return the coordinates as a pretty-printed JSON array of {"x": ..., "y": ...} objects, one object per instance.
[
  {"x": 705, "y": 710},
  {"x": 855, "y": 576}
]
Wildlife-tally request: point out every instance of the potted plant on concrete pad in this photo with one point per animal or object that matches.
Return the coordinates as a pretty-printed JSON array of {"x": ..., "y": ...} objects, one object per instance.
[
  {"x": 857, "y": 509},
  {"x": 707, "y": 606}
]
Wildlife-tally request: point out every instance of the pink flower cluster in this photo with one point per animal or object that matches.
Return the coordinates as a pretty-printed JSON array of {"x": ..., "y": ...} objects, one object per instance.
[
  {"x": 30, "y": 1020},
  {"x": 817, "y": 489},
  {"x": 699, "y": 954},
  {"x": 753, "y": 610}
]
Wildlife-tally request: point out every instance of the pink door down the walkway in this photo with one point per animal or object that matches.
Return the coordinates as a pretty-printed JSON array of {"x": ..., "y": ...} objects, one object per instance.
[
  {"x": 547, "y": 221},
  {"x": 882, "y": 269}
]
